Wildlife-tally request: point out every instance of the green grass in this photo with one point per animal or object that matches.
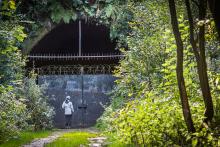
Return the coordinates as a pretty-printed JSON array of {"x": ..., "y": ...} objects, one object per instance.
[
  {"x": 25, "y": 138},
  {"x": 73, "y": 139},
  {"x": 113, "y": 142}
]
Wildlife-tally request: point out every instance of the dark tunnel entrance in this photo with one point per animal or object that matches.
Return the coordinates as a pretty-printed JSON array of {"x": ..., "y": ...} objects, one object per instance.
[
  {"x": 79, "y": 42},
  {"x": 76, "y": 59}
]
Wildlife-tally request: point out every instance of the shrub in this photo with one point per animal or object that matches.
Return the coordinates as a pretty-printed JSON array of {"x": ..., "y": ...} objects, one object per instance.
[
  {"x": 12, "y": 109},
  {"x": 41, "y": 113},
  {"x": 149, "y": 122},
  {"x": 12, "y": 114}
]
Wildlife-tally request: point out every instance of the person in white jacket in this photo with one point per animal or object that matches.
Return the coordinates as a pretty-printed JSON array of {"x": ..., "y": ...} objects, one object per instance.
[{"x": 68, "y": 108}]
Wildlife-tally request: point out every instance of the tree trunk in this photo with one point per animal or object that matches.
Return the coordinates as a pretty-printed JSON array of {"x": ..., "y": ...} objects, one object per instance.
[
  {"x": 199, "y": 53},
  {"x": 179, "y": 68},
  {"x": 204, "y": 76},
  {"x": 214, "y": 6}
]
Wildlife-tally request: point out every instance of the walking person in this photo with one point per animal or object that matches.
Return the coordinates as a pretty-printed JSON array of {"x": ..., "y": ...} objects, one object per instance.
[{"x": 68, "y": 107}]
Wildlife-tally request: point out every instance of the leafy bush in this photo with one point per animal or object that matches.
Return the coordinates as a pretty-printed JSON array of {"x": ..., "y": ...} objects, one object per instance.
[
  {"x": 12, "y": 114},
  {"x": 11, "y": 61},
  {"x": 12, "y": 109},
  {"x": 159, "y": 122},
  {"x": 41, "y": 113},
  {"x": 149, "y": 122}
]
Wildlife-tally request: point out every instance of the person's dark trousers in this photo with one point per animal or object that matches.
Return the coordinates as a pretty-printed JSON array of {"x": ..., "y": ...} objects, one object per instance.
[{"x": 68, "y": 120}]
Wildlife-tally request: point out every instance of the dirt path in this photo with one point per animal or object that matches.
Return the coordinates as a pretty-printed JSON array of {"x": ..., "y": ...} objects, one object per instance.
[
  {"x": 42, "y": 141},
  {"x": 97, "y": 141}
]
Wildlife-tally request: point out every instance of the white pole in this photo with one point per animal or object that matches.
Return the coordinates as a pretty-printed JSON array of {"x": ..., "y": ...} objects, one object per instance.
[{"x": 80, "y": 38}]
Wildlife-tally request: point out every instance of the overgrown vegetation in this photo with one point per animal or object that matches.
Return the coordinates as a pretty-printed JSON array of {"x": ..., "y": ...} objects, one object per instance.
[
  {"x": 17, "y": 93},
  {"x": 46, "y": 14},
  {"x": 146, "y": 107},
  {"x": 167, "y": 90},
  {"x": 41, "y": 113},
  {"x": 12, "y": 109},
  {"x": 25, "y": 138}
]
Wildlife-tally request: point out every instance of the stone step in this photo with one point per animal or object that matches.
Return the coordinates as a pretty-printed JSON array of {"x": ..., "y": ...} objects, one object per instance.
[
  {"x": 97, "y": 138},
  {"x": 95, "y": 145},
  {"x": 97, "y": 142}
]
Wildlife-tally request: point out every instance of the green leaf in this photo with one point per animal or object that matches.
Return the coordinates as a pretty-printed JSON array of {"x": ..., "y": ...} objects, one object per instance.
[{"x": 194, "y": 142}]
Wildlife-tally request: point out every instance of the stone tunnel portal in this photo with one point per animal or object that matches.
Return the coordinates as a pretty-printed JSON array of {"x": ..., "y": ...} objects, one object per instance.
[{"x": 76, "y": 59}]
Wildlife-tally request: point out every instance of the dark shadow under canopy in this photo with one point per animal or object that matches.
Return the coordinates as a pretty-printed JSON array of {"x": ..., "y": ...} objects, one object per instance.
[
  {"x": 65, "y": 39},
  {"x": 61, "y": 46}
]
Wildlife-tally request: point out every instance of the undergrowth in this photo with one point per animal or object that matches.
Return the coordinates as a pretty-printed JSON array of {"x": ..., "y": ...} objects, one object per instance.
[{"x": 25, "y": 138}]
